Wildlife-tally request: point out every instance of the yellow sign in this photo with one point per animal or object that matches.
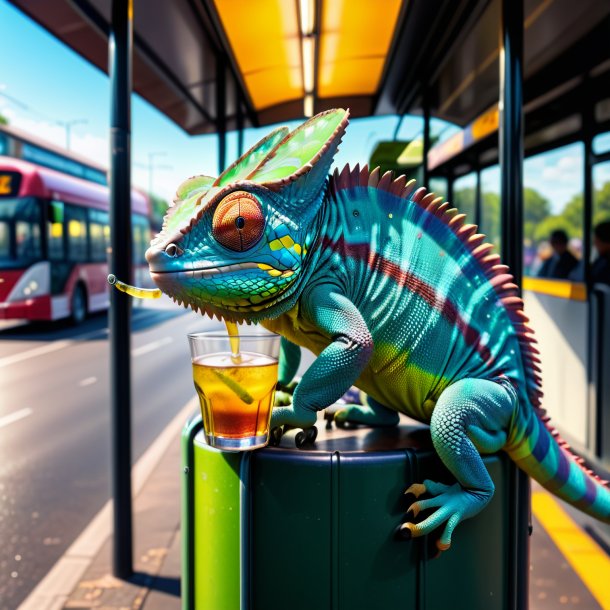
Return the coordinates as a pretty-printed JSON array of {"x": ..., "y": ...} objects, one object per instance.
[
  {"x": 5, "y": 184},
  {"x": 486, "y": 123}
]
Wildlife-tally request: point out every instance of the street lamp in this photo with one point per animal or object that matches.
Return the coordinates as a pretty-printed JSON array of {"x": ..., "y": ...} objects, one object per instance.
[
  {"x": 152, "y": 166},
  {"x": 67, "y": 125}
]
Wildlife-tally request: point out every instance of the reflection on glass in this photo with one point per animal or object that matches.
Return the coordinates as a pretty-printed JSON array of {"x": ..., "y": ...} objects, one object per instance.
[
  {"x": 601, "y": 143},
  {"x": 464, "y": 195},
  {"x": 490, "y": 222},
  {"x": 553, "y": 204},
  {"x": 600, "y": 270},
  {"x": 439, "y": 186}
]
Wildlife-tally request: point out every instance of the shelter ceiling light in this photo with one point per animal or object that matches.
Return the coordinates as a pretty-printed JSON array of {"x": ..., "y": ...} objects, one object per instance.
[
  {"x": 309, "y": 54},
  {"x": 308, "y": 105},
  {"x": 307, "y": 18},
  {"x": 307, "y": 14}
]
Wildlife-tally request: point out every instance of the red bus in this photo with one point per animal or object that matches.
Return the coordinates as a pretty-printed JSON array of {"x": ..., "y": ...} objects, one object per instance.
[{"x": 54, "y": 240}]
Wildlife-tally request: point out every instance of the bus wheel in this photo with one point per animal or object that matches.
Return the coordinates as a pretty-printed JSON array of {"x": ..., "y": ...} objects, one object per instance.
[{"x": 78, "y": 304}]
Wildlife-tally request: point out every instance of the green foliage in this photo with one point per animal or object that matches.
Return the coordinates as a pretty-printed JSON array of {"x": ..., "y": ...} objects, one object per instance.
[
  {"x": 601, "y": 204},
  {"x": 538, "y": 223},
  {"x": 490, "y": 217},
  {"x": 3, "y": 120}
]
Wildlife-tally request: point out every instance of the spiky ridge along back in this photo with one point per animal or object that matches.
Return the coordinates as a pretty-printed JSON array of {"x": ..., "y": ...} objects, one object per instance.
[{"x": 496, "y": 273}]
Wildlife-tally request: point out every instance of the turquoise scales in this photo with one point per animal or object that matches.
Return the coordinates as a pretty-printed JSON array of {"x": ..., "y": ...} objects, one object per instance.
[{"x": 392, "y": 291}]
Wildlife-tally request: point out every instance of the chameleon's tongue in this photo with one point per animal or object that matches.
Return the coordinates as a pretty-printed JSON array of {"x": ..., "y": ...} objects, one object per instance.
[
  {"x": 233, "y": 331},
  {"x": 138, "y": 293}
]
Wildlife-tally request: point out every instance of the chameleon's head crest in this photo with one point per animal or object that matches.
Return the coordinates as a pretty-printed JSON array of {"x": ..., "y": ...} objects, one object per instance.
[
  {"x": 238, "y": 243},
  {"x": 294, "y": 163}
]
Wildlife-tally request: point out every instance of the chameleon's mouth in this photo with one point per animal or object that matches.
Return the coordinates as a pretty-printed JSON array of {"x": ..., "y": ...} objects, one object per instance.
[{"x": 202, "y": 272}]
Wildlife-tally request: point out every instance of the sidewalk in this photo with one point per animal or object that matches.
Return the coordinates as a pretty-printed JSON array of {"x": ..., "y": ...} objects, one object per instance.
[
  {"x": 82, "y": 578},
  {"x": 156, "y": 520}
]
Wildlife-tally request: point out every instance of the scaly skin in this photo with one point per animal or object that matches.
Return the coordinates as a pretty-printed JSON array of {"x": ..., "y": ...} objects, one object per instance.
[{"x": 395, "y": 295}]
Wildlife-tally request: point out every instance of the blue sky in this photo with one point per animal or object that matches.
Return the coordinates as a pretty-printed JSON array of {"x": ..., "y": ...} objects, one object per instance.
[{"x": 44, "y": 82}]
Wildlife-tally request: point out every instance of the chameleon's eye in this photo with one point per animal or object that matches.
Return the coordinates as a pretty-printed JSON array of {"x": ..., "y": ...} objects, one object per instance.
[{"x": 238, "y": 221}]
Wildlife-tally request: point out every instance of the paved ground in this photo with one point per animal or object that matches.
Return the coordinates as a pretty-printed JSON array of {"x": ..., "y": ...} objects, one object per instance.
[{"x": 54, "y": 428}]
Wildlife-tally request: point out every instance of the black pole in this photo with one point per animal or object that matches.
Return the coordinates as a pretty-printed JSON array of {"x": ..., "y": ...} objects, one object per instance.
[
  {"x": 221, "y": 113},
  {"x": 511, "y": 135},
  {"x": 511, "y": 191},
  {"x": 426, "y": 142},
  {"x": 119, "y": 65},
  {"x": 478, "y": 199},
  {"x": 240, "y": 122}
]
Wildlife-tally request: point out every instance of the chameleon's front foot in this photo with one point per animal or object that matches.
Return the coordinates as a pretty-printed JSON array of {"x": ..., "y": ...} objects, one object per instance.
[
  {"x": 453, "y": 504},
  {"x": 286, "y": 418},
  {"x": 305, "y": 437}
]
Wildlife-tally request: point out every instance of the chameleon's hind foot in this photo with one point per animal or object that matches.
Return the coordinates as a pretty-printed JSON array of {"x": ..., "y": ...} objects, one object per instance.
[
  {"x": 453, "y": 504},
  {"x": 307, "y": 436}
]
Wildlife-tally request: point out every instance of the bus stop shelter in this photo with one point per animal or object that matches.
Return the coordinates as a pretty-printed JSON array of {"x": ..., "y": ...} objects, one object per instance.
[{"x": 219, "y": 65}]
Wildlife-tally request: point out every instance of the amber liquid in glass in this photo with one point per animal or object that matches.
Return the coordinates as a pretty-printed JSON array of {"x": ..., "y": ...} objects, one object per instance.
[{"x": 236, "y": 396}]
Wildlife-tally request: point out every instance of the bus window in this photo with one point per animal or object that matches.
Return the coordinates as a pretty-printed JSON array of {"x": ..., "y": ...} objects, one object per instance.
[
  {"x": 601, "y": 143},
  {"x": 19, "y": 231},
  {"x": 55, "y": 231},
  {"x": 141, "y": 238},
  {"x": 600, "y": 271},
  {"x": 5, "y": 237},
  {"x": 438, "y": 185},
  {"x": 489, "y": 223},
  {"x": 553, "y": 212},
  {"x": 76, "y": 223},
  {"x": 98, "y": 221},
  {"x": 464, "y": 195}
]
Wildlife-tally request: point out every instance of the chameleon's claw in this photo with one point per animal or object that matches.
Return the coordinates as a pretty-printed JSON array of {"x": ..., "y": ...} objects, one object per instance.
[
  {"x": 417, "y": 489},
  {"x": 406, "y": 530},
  {"x": 442, "y": 546},
  {"x": 415, "y": 508},
  {"x": 275, "y": 436}
]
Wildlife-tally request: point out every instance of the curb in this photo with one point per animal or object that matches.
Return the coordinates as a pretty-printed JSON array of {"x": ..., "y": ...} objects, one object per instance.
[{"x": 54, "y": 589}]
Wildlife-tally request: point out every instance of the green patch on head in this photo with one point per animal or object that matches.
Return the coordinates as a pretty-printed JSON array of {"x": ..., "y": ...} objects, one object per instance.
[
  {"x": 197, "y": 185},
  {"x": 302, "y": 146},
  {"x": 248, "y": 163}
]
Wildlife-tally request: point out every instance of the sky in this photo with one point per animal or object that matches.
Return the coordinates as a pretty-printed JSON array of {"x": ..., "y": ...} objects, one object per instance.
[{"x": 44, "y": 84}]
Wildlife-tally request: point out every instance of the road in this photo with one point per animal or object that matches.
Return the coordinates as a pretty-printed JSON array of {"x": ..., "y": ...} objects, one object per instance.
[{"x": 54, "y": 428}]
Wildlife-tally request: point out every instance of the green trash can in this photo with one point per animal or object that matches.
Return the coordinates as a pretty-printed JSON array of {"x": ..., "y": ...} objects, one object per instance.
[{"x": 315, "y": 528}]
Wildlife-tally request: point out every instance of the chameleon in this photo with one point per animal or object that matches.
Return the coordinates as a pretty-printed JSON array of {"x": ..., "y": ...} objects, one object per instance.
[{"x": 393, "y": 292}]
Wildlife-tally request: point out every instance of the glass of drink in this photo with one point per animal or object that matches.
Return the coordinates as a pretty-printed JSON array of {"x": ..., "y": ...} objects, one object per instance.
[{"x": 235, "y": 378}]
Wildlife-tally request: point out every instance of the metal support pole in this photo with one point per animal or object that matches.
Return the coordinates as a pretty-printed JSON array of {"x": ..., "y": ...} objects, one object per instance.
[
  {"x": 119, "y": 63},
  {"x": 221, "y": 113},
  {"x": 426, "y": 142},
  {"x": 511, "y": 190},
  {"x": 478, "y": 200},
  {"x": 511, "y": 135},
  {"x": 240, "y": 122}
]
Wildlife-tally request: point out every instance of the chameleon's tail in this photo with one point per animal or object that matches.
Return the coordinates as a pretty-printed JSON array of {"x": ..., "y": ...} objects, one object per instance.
[{"x": 543, "y": 455}]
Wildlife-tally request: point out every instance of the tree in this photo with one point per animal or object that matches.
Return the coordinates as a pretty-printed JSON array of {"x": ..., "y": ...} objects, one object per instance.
[
  {"x": 601, "y": 204},
  {"x": 536, "y": 208},
  {"x": 3, "y": 120}
]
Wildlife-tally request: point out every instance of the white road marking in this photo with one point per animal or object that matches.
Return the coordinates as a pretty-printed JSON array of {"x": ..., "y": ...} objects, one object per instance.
[
  {"x": 47, "y": 349},
  {"x": 87, "y": 381},
  {"x": 16, "y": 416},
  {"x": 150, "y": 347},
  {"x": 53, "y": 590},
  {"x": 32, "y": 353}
]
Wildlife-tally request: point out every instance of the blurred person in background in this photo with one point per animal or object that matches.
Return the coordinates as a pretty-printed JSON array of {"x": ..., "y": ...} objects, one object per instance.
[
  {"x": 562, "y": 262},
  {"x": 600, "y": 270}
]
